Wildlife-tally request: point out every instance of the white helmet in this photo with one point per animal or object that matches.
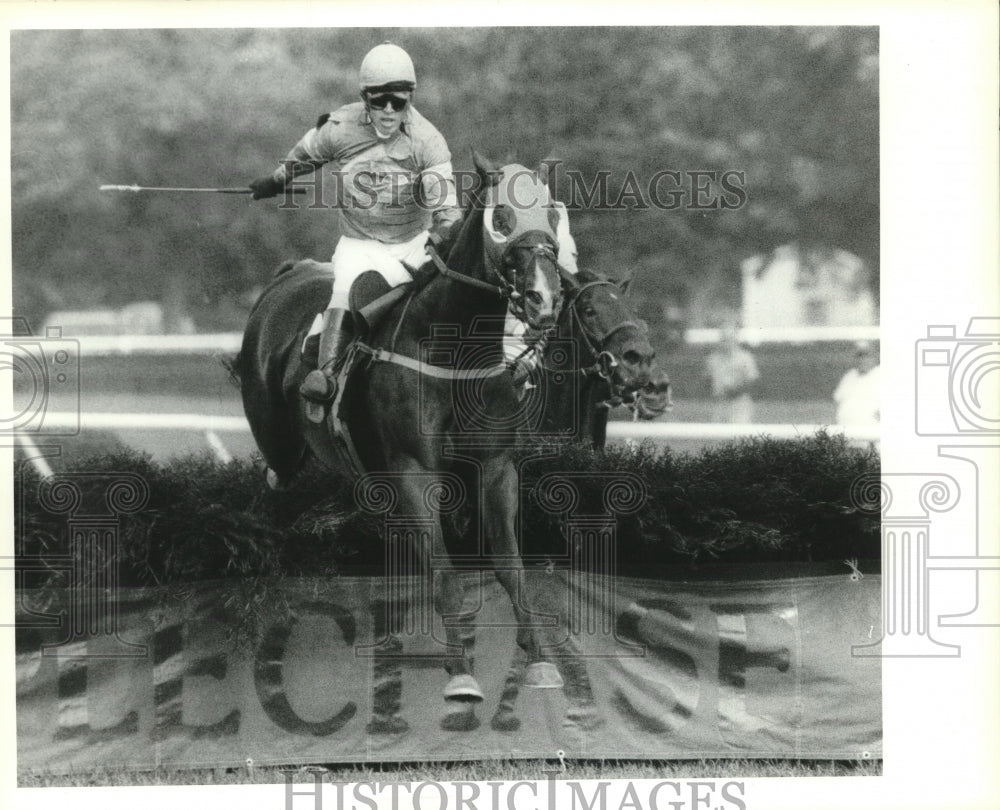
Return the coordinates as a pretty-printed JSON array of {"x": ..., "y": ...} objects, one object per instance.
[{"x": 387, "y": 67}]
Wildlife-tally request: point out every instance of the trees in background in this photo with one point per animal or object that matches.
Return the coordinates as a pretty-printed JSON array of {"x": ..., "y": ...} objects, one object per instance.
[{"x": 794, "y": 109}]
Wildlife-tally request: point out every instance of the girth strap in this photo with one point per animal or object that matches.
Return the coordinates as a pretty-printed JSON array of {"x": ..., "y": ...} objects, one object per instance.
[{"x": 382, "y": 356}]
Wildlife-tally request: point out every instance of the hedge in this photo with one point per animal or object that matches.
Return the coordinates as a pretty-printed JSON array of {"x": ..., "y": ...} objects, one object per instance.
[{"x": 757, "y": 500}]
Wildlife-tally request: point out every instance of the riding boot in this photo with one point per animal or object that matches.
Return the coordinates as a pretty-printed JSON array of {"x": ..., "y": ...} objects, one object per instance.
[{"x": 320, "y": 385}]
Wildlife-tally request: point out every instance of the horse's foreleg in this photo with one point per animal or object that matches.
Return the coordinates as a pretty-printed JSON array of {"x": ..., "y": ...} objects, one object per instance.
[
  {"x": 500, "y": 502},
  {"x": 437, "y": 578}
]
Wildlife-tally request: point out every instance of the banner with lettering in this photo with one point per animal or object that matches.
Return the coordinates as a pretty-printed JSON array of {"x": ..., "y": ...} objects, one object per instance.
[{"x": 350, "y": 669}]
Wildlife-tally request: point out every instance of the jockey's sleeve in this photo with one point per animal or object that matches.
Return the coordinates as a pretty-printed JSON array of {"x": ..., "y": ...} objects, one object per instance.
[
  {"x": 567, "y": 244},
  {"x": 306, "y": 156},
  {"x": 437, "y": 187}
]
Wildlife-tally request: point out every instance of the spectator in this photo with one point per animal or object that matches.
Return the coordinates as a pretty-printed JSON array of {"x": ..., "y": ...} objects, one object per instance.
[
  {"x": 858, "y": 394},
  {"x": 733, "y": 375}
]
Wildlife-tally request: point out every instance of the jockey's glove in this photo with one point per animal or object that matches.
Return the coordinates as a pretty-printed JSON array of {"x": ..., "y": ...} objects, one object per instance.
[
  {"x": 440, "y": 234},
  {"x": 265, "y": 187}
]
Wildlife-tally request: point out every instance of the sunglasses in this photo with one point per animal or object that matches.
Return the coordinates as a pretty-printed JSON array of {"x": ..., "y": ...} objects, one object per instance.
[{"x": 397, "y": 103}]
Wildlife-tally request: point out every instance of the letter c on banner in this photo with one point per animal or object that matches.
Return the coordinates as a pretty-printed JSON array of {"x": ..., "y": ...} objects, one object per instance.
[{"x": 269, "y": 679}]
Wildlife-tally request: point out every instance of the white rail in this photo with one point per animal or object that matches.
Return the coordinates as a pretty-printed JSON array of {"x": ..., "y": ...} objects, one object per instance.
[
  {"x": 229, "y": 342},
  {"x": 211, "y": 425},
  {"x": 637, "y": 431},
  {"x": 67, "y": 420},
  {"x": 617, "y": 430},
  {"x": 789, "y": 334},
  {"x": 117, "y": 345}
]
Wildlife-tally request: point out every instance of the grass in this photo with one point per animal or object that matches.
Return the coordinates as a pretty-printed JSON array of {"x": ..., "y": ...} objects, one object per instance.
[{"x": 486, "y": 770}]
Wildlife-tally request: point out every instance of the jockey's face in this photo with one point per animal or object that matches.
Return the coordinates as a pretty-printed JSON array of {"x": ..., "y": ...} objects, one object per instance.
[{"x": 387, "y": 111}]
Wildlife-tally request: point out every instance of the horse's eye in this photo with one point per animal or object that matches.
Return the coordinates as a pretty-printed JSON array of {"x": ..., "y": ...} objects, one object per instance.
[
  {"x": 590, "y": 312},
  {"x": 504, "y": 220}
]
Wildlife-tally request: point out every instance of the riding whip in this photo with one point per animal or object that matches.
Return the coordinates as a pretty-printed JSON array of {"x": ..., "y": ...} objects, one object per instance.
[{"x": 291, "y": 189}]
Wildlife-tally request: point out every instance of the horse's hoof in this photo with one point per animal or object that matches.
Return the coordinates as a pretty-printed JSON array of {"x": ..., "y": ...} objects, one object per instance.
[
  {"x": 505, "y": 720},
  {"x": 463, "y": 688},
  {"x": 542, "y": 675},
  {"x": 465, "y": 720}
]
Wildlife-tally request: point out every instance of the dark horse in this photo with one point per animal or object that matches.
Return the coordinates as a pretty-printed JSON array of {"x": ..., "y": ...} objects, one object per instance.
[
  {"x": 411, "y": 418},
  {"x": 613, "y": 363}
]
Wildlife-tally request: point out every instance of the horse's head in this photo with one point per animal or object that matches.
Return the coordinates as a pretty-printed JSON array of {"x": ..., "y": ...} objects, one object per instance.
[
  {"x": 519, "y": 240},
  {"x": 617, "y": 342}
]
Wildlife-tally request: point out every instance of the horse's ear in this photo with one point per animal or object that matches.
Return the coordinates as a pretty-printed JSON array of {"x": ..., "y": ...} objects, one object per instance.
[
  {"x": 488, "y": 170},
  {"x": 570, "y": 283},
  {"x": 624, "y": 284},
  {"x": 543, "y": 173}
]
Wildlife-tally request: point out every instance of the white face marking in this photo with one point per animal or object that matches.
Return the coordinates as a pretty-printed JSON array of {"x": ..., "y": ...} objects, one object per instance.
[
  {"x": 543, "y": 289},
  {"x": 615, "y": 297}
]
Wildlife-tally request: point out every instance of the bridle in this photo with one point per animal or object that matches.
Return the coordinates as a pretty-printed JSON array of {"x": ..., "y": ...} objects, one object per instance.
[
  {"x": 603, "y": 362},
  {"x": 504, "y": 288}
]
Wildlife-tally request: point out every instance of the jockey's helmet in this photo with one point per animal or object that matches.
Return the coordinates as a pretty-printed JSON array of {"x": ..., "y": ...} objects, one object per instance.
[{"x": 387, "y": 68}]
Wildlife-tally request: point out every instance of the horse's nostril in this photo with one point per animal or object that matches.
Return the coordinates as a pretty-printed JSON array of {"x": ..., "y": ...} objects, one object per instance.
[
  {"x": 534, "y": 297},
  {"x": 633, "y": 358}
]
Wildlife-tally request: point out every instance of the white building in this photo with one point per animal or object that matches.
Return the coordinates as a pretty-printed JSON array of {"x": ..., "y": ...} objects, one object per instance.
[{"x": 795, "y": 287}]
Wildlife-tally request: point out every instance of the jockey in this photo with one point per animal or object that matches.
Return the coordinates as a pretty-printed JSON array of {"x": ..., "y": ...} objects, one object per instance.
[{"x": 396, "y": 187}]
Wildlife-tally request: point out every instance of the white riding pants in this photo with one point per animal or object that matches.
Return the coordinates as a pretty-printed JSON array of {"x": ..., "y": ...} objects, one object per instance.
[{"x": 352, "y": 257}]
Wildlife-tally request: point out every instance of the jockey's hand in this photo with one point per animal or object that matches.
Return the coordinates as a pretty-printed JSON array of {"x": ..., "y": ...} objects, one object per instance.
[
  {"x": 440, "y": 234},
  {"x": 265, "y": 187},
  {"x": 423, "y": 274}
]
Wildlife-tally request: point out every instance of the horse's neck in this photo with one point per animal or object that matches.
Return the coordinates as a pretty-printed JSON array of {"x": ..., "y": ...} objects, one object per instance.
[
  {"x": 576, "y": 401},
  {"x": 456, "y": 312}
]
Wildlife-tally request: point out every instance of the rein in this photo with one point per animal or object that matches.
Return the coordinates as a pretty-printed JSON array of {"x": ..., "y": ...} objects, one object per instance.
[{"x": 504, "y": 290}]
